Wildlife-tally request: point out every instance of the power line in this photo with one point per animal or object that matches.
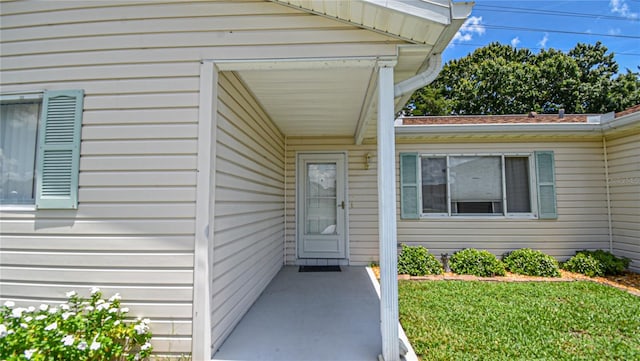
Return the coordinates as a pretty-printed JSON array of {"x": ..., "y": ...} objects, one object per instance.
[
  {"x": 502, "y": 27},
  {"x": 493, "y": 8},
  {"x": 530, "y": 48}
]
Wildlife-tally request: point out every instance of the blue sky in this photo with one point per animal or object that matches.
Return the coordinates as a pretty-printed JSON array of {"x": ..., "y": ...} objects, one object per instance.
[{"x": 545, "y": 24}]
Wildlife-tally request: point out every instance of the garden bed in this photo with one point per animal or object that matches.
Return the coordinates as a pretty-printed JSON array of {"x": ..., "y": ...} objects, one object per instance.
[{"x": 628, "y": 281}]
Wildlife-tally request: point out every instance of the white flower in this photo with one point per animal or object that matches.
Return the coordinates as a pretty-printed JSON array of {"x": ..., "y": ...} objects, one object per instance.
[
  {"x": 71, "y": 294},
  {"x": 115, "y": 297},
  {"x": 113, "y": 310},
  {"x": 24, "y": 325},
  {"x": 67, "y": 315},
  {"x": 17, "y": 312},
  {"x": 68, "y": 340},
  {"x": 94, "y": 346},
  {"x": 53, "y": 310},
  {"x": 124, "y": 309},
  {"x": 146, "y": 321},
  {"x": 89, "y": 308},
  {"x": 52, "y": 326},
  {"x": 40, "y": 317},
  {"x": 117, "y": 322},
  {"x": 99, "y": 302},
  {"x": 44, "y": 307},
  {"x": 28, "y": 318},
  {"x": 31, "y": 309},
  {"x": 140, "y": 328},
  {"x": 3, "y": 330},
  {"x": 29, "y": 353},
  {"x": 9, "y": 304},
  {"x": 82, "y": 346},
  {"x": 103, "y": 306},
  {"x": 94, "y": 290},
  {"x": 146, "y": 346},
  {"x": 64, "y": 306}
]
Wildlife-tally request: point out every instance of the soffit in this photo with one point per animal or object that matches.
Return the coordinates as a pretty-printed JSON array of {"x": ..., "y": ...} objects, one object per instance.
[
  {"x": 415, "y": 21},
  {"x": 307, "y": 100},
  {"x": 313, "y": 102}
]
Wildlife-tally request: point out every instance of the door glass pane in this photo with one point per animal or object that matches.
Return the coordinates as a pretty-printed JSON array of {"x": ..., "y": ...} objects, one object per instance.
[
  {"x": 321, "y": 199},
  {"x": 434, "y": 185}
]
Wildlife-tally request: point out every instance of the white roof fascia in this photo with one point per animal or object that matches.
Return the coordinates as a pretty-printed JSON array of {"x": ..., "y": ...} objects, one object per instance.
[
  {"x": 429, "y": 10},
  {"x": 620, "y": 122},
  {"x": 498, "y": 128},
  {"x": 442, "y": 12}
]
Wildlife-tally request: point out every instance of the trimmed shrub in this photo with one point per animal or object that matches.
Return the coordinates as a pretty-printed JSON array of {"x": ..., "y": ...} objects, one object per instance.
[
  {"x": 528, "y": 262},
  {"x": 417, "y": 261},
  {"x": 585, "y": 264},
  {"x": 609, "y": 264},
  {"x": 471, "y": 261}
]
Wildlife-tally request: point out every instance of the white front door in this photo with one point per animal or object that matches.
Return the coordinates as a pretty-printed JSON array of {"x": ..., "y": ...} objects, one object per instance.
[{"x": 322, "y": 205}]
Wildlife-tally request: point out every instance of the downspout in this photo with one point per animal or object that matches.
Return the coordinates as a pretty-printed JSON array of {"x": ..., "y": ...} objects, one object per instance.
[
  {"x": 421, "y": 79},
  {"x": 606, "y": 175},
  {"x": 284, "y": 251}
]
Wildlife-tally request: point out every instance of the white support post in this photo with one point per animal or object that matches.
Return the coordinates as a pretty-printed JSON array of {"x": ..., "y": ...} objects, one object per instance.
[
  {"x": 387, "y": 214},
  {"x": 205, "y": 191}
]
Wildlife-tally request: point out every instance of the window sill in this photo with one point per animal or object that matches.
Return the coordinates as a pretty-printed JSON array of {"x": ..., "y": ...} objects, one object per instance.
[
  {"x": 482, "y": 217},
  {"x": 17, "y": 207}
]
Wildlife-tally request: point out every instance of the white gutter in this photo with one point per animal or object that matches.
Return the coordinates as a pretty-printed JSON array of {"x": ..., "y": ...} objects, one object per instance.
[
  {"x": 620, "y": 122},
  {"x": 419, "y": 80},
  {"x": 498, "y": 128}
]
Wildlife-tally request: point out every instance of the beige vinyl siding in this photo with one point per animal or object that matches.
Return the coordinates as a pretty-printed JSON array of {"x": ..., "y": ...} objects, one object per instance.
[
  {"x": 249, "y": 205},
  {"x": 133, "y": 232},
  {"x": 362, "y": 187},
  {"x": 624, "y": 182},
  {"x": 581, "y": 196}
]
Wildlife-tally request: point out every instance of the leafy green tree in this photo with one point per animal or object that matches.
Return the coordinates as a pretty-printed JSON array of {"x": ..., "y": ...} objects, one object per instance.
[{"x": 499, "y": 79}]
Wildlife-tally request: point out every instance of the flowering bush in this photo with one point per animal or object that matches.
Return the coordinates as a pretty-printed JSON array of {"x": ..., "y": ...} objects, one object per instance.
[{"x": 81, "y": 329}]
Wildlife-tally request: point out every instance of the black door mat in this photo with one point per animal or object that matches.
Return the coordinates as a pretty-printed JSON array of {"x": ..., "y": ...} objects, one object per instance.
[{"x": 319, "y": 269}]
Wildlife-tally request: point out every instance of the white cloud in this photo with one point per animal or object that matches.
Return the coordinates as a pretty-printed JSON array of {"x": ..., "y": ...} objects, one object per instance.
[
  {"x": 515, "y": 41},
  {"x": 473, "y": 26},
  {"x": 543, "y": 42},
  {"x": 615, "y": 31},
  {"x": 621, "y": 8}
]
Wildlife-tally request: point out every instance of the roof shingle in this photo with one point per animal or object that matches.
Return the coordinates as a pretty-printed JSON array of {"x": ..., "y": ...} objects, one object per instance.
[{"x": 495, "y": 119}]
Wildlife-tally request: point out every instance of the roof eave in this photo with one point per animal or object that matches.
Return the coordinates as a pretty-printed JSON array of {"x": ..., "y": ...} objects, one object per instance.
[
  {"x": 447, "y": 14},
  {"x": 540, "y": 128}
]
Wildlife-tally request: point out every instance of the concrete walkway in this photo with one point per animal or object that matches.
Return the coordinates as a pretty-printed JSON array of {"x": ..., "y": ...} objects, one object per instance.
[{"x": 310, "y": 317}]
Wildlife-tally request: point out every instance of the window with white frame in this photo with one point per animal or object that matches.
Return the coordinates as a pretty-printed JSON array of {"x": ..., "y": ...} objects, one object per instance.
[
  {"x": 19, "y": 120},
  {"x": 475, "y": 185},
  {"x": 472, "y": 185}
]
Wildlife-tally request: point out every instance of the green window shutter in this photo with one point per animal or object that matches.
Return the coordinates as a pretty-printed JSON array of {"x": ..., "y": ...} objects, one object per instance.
[
  {"x": 59, "y": 150},
  {"x": 409, "y": 186},
  {"x": 546, "y": 182}
]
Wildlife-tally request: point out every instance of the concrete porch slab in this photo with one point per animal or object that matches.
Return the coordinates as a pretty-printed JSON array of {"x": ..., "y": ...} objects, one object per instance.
[{"x": 310, "y": 317}]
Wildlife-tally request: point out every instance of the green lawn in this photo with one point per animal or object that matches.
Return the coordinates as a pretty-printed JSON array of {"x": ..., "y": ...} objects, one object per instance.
[{"x": 458, "y": 320}]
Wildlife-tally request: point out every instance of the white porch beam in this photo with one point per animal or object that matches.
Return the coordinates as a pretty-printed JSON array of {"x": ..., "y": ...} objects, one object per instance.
[
  {"x": 367, "y": 106},
  {"x": 387, "y": 214},
  {"x": 296, "y": 64}
]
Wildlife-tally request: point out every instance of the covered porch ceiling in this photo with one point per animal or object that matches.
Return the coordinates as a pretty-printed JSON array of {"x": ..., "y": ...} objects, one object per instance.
[
  {"x": 337, "y": 97},
  {"x": 325, "y": 97}
]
